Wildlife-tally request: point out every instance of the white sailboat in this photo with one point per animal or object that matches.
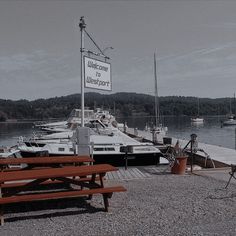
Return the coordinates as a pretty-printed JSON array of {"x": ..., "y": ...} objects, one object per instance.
[
  {"x": 231, "y": 118},
  {"x": 159, "y": 131},
  {"x": 197, "y": 119}
]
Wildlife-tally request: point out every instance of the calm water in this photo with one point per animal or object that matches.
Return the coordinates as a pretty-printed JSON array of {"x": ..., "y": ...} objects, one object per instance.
[
  {"x": 210, "y": 132},
  {"x": 179, "y": 127}
]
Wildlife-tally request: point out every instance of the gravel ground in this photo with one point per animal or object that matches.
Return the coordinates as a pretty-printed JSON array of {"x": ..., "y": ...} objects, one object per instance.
[{"x": 162, "y": 205}]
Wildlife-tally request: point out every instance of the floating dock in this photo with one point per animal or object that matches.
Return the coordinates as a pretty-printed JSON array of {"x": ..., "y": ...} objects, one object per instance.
[{"x": 220, "y": 155}]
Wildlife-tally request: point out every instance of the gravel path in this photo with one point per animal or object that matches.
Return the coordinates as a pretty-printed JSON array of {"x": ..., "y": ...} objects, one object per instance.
[{"x": 162, "y": 205}]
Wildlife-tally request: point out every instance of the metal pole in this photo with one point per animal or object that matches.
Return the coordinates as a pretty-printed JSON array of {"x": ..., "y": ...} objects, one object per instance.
[
  {"x": 235, "y": 138},
  {"x": 157, "y": 115},
  {"x": 191, "y": 149},
  {"x": 82, "y": 26}
]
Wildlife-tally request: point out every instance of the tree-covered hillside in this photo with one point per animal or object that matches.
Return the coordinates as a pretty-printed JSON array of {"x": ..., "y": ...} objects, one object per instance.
[{"x": 123, "y": 104}]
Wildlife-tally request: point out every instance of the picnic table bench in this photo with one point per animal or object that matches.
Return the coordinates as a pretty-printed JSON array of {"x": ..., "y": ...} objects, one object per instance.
[
  {"x": 31, "y": 162},
  {"x": 22, "y": 186}
]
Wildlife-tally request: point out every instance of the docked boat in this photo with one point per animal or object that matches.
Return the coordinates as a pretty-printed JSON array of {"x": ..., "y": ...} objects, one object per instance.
[
  {"x": 107, "y": 144},
  {"x": 74, "y": 120},
  {"x": 13, "y": 152},
  {"x": 71, "y": 123},
  {"x": 159, "y": 131}
]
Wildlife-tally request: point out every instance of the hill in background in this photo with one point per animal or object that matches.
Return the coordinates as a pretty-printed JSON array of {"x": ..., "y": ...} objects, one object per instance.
[{"x": 119, "y": 104}]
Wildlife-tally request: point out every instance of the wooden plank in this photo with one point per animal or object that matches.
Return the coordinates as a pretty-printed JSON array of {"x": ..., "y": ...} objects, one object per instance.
[
  {"x": 46, "y": 160},
  {"x": 56, "y": 172},
  {"x": 58, "y": 195},
  {"x": 49, "y": 182}
]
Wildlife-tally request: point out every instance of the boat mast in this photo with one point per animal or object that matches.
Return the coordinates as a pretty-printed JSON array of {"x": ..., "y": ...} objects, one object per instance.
[
  {"x": 82, "y": 26},
  {"x": 234, "y": 106},
  {"x": 157, "y": 110},
  {"x": 197, "y": 107}
]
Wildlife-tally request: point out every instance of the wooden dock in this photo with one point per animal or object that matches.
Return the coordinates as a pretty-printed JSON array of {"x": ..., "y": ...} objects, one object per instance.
[{"x": 223, "y": 155}]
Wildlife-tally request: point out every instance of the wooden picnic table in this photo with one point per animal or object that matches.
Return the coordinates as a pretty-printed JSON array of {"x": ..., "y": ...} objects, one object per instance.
[
  {"x": 15, "y": 184},
  {"x": 44, "y": 161}
]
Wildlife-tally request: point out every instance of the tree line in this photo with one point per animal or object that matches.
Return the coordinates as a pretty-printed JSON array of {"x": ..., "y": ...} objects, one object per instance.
[{"x": 119, "y": 104}]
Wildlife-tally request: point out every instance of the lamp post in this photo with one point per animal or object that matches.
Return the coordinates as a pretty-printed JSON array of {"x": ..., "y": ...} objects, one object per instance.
[{"x": 105, "y": 49}]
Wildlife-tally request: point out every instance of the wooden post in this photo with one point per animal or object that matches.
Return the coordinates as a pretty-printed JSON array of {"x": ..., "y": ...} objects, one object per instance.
[
  {"x": 106, "y": 203},
  {"x": 1, "y": 210}
]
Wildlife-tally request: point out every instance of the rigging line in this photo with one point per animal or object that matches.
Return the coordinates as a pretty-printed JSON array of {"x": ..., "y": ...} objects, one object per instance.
[{"x": 94, "y": 42}]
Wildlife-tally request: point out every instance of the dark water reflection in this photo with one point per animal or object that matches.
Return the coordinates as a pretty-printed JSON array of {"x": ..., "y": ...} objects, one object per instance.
[{"x": 9, "y": 132}]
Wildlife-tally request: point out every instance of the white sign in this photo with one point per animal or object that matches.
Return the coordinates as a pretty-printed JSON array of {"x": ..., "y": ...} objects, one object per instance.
[{"x": 97, "y": 74}]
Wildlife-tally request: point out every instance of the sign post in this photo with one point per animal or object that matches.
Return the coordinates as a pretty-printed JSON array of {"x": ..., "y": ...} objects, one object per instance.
[
  {"x": 95, "y": 74},
  {"x": 82, "y": 26}
]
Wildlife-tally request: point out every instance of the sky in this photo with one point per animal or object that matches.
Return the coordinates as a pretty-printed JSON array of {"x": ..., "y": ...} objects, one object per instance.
[{"x": 194, "y": 42}]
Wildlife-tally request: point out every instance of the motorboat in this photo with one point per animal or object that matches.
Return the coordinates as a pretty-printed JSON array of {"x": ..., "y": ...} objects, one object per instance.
[
  {"x": 73, "y": 120},
  {"x": 106, "y": 144},
  {"x": 13, "y": 152}
]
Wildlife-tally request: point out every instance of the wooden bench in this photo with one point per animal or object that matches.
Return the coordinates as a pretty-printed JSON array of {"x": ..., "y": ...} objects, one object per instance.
[
  {"x": 83, "y": 180},
  {"x": 32, "y": 162},
  {"x": 231, "y": 173}
]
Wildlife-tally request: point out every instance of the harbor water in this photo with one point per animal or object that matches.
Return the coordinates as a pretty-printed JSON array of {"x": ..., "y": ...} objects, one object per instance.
[{"x": 209, "y": 132}]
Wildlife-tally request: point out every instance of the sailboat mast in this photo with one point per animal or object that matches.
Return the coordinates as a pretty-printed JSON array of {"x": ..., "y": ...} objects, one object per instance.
[
  {"x": 157, "y": 110},
  {"x": 198, "y": 107},
  {"x": 234, "y": 105}
]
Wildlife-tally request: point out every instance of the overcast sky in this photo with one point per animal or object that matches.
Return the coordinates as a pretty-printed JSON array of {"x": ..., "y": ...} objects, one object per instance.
[{"x": 195, "y": 43}]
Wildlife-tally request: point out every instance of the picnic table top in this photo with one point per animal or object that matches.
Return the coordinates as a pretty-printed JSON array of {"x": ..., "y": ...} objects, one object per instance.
[
  {"x": 46, "y": 160},
  {"x": 56, "y": 172}
]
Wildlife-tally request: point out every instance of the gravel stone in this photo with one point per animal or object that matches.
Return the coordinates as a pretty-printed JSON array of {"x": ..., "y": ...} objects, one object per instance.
[{"x": 165, "y": 204}]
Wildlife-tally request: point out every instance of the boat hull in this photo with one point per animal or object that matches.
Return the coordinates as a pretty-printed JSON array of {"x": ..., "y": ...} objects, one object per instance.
[{"x": 114, "y": 159}]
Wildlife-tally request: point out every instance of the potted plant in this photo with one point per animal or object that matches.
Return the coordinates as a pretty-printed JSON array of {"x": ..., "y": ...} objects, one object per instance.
[{"x": 180, "y": 162}]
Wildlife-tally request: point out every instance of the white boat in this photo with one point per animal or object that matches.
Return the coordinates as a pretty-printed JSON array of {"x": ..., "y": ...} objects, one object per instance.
[
  {"x": 71, "y": 123},
  {"x": 231, "y": 118},
  {"x": 230, "y": 121},
  {"x": 6, "y": 152},
  {"x": 159, "y": 131},
  {"x": 74, "y": 120},
  {"x": 197, "y": 119},
  {"x": 107, "y": 143}
]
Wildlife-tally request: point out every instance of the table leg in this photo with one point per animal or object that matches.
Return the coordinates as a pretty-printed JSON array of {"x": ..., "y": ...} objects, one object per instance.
[{"x": 92, "y": 182}]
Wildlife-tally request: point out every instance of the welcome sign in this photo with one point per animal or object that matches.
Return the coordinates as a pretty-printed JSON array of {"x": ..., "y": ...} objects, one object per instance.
[{"x": 97, "y": 74}]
